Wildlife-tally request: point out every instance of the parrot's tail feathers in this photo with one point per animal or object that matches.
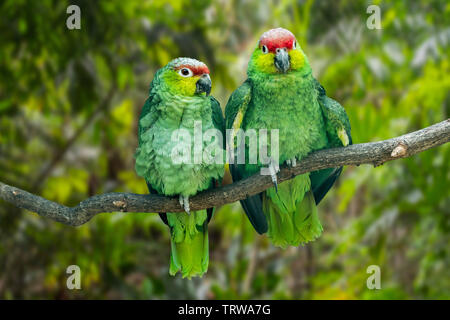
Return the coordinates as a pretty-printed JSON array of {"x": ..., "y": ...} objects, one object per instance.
[
  {"x": 189, "y": 249},
  {"x": 292, "y": 213},
  {"x": 307, "y": 220}
]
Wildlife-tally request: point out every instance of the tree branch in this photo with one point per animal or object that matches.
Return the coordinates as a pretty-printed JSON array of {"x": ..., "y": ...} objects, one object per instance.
[{"x": 375, "y": 153}]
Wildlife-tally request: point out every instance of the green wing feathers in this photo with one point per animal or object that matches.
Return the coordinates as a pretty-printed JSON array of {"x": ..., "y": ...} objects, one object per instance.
[
  {"x": 217, "y": 119},
  {"x": 335, "y": 117},
  {"x": 217, "y": 115},
  {"x": 237, "y": 102},
  {"x": 336, "y": 122},
  {"x": 234, "y": 114},
  {"x": 148, "y": 110}
]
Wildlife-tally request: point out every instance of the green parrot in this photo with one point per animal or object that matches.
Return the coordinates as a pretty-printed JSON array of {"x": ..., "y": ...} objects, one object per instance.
[
  {"x": 179, "y": 104},
  {"x": 281, "y": 93}
]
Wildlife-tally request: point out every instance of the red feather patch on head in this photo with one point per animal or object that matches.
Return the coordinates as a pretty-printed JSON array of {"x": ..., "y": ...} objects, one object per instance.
[
  {"x": 197, "y": 69},
  {"x": 277, "y": 38}
]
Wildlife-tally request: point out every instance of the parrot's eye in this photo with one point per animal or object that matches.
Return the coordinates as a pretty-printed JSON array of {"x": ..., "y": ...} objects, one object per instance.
[
  {"x": 264, "y": 49},
  {"x": 294, "y": 44},
  {"x": 185, "y": 72}
]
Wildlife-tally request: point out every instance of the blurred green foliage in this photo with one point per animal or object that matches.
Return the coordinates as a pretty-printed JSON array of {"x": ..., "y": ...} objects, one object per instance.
[{"x": 69, "y": 104}]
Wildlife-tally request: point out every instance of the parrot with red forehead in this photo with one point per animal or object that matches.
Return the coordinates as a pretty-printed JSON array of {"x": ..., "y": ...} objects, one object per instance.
[
  {"x": 281, "y": 93},
  {"x": 179, "y": 104}
]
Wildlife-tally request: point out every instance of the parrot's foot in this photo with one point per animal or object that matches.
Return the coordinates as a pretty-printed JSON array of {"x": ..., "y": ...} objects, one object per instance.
[
  {"x": 292, "y": 162},
  {"x": 273, "y": 173},
  {"x": 184, "y": 202}
]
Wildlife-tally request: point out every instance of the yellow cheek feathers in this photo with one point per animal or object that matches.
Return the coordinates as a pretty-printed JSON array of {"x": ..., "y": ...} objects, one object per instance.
[
  {"x": 265, "y": 62},
  {"x": 297, "y": 59},
  {"x": 180, "y": 85}
]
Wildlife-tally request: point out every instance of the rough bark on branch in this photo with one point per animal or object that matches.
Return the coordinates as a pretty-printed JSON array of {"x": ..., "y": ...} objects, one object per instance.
[{"x": 375, "y": 153}]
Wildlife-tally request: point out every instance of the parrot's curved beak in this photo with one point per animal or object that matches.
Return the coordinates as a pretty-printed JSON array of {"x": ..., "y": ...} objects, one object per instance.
[
  {"x": 281, "y": 60},
  {"x": 203, "y": 84}
]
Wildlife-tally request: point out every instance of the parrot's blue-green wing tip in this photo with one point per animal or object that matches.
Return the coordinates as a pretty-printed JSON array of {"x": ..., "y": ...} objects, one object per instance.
[
  {"x": 252, "y": 206},
  {"x": 322, "y": 181},
  {"x": 253, "y": 209}
]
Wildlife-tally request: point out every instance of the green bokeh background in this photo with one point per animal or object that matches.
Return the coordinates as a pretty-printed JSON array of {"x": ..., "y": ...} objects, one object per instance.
[{"x": 69, "y": 104}]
